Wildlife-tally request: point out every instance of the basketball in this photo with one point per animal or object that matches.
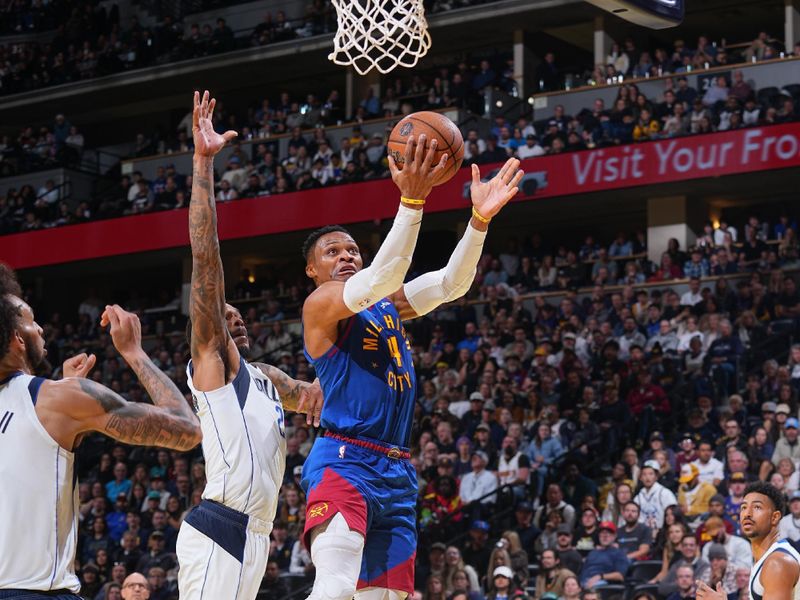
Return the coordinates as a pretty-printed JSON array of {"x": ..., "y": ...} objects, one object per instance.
[{"x": 433, "y": 125}]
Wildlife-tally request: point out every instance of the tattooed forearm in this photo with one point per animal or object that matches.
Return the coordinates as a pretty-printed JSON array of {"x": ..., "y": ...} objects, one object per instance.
[
  {"x": 288, "y": 389},
  {"x": 142, "y": 424},
  {"x": 207, "y": 300},
  {"x": 161, "y": 389}
]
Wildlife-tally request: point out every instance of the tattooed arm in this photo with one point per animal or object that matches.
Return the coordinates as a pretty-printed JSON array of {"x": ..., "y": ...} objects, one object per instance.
[
  {"x": 212, "y": 348},
  {"x": 296, "y": 396},
  {"x": 73, "y": 406}
]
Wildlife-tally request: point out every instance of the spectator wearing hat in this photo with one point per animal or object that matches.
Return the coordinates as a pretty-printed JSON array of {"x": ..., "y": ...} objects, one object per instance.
[
  {"x": 476, "y": 550},
  {"x": 789, "y": 526},
  {"x": 653, "y": 498},
  {"x": 483, "y": 441},
  {"x": 606, "y": 564},
  {"x": 716, "y": 508},
  {"x": 788, "y": 445},
  {"x": 526, "y": 530},
  {"x": 477, "y": 484},
  {"x": 711, "y": 470},
  {"x": 570, "y": 558},
  {"x": 552, "y": 574},
  {"x": 657, "y": 443},
  {"x": 634, "y": 538},
  {"x": 503, "y": 586},
  {"x": 156, "y": 555},
  {"x": 554, "y": 502},
  {"x": 530, "y": 148},
  {"x": 722, "y": 571},
  {"x": 90, "y": 581},
  {"x": 694, "y": 495},
  {"x": 737, "y": 483},
  {"x": 738, "y": 549},
  {"x": 687, "y": 556}
]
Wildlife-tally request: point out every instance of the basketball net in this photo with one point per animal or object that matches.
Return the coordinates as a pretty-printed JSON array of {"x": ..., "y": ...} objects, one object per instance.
[{"x": 379, "y": 34}]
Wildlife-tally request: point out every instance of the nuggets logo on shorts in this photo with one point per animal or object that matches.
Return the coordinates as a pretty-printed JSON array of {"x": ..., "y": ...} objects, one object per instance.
[{"x": 318, "y": 511}]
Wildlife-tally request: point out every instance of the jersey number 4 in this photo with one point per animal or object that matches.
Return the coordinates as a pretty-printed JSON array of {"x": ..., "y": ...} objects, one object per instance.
[{"x": 394, "y": 351}]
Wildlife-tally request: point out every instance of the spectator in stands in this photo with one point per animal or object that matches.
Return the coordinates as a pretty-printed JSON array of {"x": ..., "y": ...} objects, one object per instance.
[
  {"x": 737, "y": 550},
  {"x": 607, "y": 563},
  {"x": 547, "y": 73},
  {"x": 552, "y": 574},
  {"x": 634, "y": 538},
  {"x": 653, "y": 498},
  {"x": 688, "y": 557},
  {"x": 694, "y": 495},
  {"x": 684, "y": 584}
]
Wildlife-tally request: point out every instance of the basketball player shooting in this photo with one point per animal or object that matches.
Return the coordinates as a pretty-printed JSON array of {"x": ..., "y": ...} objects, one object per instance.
[
  {"x": 44, "y": 422},
  {"x": 776, "y": 563},
  {"x": 362, "y": 489},
  {"x": 223, "y": 543}
]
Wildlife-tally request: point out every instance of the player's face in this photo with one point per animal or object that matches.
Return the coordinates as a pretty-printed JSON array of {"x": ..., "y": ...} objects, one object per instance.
[
  {"x": 757, "y": 516},
  {"x": 336, "y": 258},
  {"x": 30, "y": 332},
  {"x": 237, "y": 329}
]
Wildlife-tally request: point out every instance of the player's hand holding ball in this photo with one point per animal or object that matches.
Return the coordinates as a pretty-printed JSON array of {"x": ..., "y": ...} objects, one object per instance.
[
  {"x": 488, "y": 198},
  {"x": 126, "y": 330},
  {"x": 417, "y": 176},
  {"x": 207, "y": 142}
]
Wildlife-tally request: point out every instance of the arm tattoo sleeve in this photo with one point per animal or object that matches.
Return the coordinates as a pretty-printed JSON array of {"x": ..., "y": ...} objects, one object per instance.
[
  {"x": 207, "y": 300},
  {"x": 139, "y": 423},
  {"x": 288, "y": 389}
]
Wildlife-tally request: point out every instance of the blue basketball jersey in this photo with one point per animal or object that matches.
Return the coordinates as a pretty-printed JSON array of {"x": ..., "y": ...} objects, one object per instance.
[{"x": 368, "y": 379}]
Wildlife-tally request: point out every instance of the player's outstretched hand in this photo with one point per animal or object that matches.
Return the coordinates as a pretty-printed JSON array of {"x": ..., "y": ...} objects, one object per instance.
[
  {"x": 207, "y": 142},
  {"x": 488, "y": 198},
  {"x": 126, "y": 330},
  {"x": 705, "y": 592},
  {"x": 78, "y": 365},
  {"x": 418, "y": 174},
  {"x": 310, "y": 403}
]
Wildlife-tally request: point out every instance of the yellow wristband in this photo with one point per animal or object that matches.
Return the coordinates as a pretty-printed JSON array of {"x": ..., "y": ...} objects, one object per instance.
[
  {"x": 479, "y": 216},
  {"x": 405, "y": 200}
]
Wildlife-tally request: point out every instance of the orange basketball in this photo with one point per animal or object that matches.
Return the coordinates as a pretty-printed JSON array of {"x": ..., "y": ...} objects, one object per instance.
[{"x": 433, "y": 125}]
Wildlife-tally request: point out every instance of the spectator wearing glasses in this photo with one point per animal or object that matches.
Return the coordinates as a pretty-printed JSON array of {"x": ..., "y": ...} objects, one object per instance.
[{"x": 135, "y": 587}]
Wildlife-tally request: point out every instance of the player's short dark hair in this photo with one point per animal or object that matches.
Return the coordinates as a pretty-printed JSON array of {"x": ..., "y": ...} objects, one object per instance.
[
  {"x": 9, "y": 312},
  {"x": 770, "y": 491},
  {"x": 314, "y": 236}
]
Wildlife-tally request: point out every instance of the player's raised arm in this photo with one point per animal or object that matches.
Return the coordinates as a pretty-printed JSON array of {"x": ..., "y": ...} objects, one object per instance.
[
  {"x": 211, "y": 345},
  {"x": 354, "y": 290},
  {"x": 93, "y": 407},
  {"x": 423, "y": 294}
]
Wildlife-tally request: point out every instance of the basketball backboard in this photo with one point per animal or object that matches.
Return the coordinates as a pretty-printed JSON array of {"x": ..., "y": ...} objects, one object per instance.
[{"x": 656, "y": 14}]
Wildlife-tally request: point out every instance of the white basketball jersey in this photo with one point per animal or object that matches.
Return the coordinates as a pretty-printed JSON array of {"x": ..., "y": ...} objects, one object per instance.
[
  {"x": 38, "y": 496},
  {"x": 756, "y": 589},
  {"x": 244, "y": 442}
]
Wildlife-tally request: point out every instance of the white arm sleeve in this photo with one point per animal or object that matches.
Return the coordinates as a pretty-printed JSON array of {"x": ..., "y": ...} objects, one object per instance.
[
  {"x": 432, "y": 289},
  {"x": 388, "y": 269}
]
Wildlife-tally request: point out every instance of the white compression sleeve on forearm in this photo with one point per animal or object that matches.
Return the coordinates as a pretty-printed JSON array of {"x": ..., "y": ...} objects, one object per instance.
[
  {"x": 429, "y": 290},
  {"x": 388, "y": 270}
]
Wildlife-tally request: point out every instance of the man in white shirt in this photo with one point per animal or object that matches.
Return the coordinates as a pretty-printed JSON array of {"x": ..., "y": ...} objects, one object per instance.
[
  {"x": 530, "y": 149},
  {"x": 654, "y": 498},
  {"x": 479, "y": 482},
  {"x": 711, "y": 469},
  {"x": 789, "y": 526},
  {"x": 693, "y": 296},
  {"x": 719, "y": 233}
]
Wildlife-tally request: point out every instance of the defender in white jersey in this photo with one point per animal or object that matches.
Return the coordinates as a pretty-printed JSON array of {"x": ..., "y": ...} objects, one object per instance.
[
  {"x": 776, "y": 572},
  {"x": 223, "y": 543},
  {"x": 41, "y": 424}
]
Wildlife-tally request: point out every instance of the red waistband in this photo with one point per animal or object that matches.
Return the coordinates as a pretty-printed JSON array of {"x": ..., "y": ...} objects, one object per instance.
[{"x": 391, "y": 452}]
